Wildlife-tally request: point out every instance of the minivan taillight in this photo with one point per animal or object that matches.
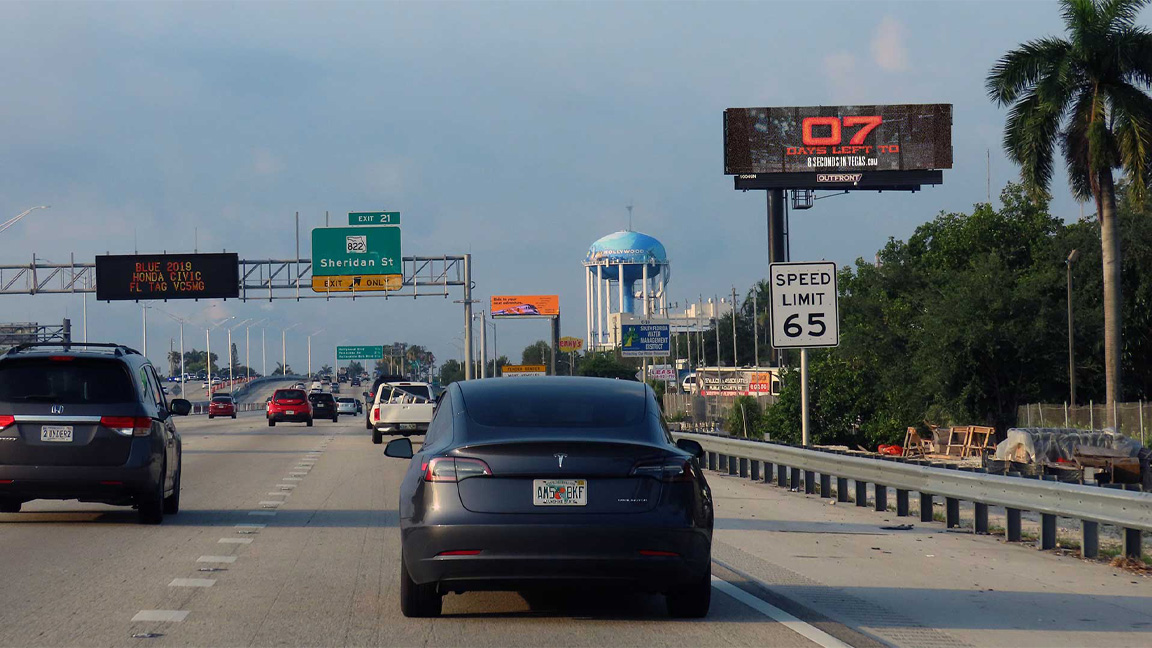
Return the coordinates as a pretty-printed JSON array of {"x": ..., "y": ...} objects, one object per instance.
[
  {"x": 6, "y": 420},
  {"x": 667, "y": 470},
  {"x": 140, "y": 426},
  {"x": 449, "y": 469}
]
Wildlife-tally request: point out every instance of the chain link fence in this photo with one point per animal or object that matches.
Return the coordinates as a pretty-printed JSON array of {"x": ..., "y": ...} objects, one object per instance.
[
  {"x": 703, "y": 413},
  {"x": 1135, "y": 419}
]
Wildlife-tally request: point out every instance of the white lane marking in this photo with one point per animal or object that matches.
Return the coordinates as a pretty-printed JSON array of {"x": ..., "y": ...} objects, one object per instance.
[
  {"x": 279, "y": 493},
  {"x": 250, "y": 526},
  {"x": 174, "y": 616},
  {"x": 192, "y": 582},
  {"x": 234, "y": 541},
  {"x": 216, "y": 559},
  {"x": 805, "y": 630},
  {"x": 293, "y": 479},
  {"x": 285, "y": 486},
  {"x": 270, "y": 503}
]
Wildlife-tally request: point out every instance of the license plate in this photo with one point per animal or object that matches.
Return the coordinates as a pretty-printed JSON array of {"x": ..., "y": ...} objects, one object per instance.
[
  {"x": 560, "y": 492},
  {"x": 56, "y": 433},
  {"x": 408, "y": 426},
  {"x": 290, "y": 412}
]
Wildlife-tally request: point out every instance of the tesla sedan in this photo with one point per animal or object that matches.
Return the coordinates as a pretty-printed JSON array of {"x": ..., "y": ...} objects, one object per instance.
[{"x": 553, "y": 482}]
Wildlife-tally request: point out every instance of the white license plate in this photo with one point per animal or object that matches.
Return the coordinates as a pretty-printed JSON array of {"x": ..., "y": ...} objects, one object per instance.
[
  {"x": 290, "y": 412},
  {"x": 57, "y": 433},
  {"x": 560, "y": 492},
  {"x": 408, "y": 426}
]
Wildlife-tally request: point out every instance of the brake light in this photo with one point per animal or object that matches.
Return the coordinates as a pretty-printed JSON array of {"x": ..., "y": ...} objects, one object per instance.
[
  {"x": 140, "y": 426},
  {"x": 376, "y": 413},
  {"x": 450, "y": 469},
  {"x": 62, "y": 358},
  {"x": 6, "y": 420},
  {"x": 666, "y": 470},
  {"x": 460, "y": 552},
  {"x": 659, "y": 554}
]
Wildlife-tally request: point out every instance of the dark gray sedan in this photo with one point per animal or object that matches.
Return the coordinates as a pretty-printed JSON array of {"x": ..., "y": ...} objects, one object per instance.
[{"x": 553, "y": 482}]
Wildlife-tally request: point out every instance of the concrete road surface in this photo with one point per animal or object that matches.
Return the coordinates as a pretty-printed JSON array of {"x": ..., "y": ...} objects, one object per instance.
[{"x": 288, "y": 536}]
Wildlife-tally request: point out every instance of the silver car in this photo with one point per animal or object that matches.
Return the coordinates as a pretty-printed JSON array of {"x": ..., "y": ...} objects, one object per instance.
[{"x": 348, "y": 406}]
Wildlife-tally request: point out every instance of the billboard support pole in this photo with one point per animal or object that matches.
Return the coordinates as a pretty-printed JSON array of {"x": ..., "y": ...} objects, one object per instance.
[
  {"x": 804, "y": 397},
  {"x": 777, "y": 244},
  {"x": 555, "y": 342}
]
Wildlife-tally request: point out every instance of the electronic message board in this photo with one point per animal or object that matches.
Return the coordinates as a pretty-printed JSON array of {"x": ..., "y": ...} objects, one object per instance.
[
  {"x": 167, "y": 276},
  {"x": 837, "y": 139}
]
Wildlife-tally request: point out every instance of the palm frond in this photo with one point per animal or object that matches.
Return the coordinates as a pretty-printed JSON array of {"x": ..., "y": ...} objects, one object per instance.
[
  {"x": 1029, "y": 136},
  {"x": 1018, "y": 71},
  {"x": 1081, "y": 18},
  {"x": 1133, "y": 48},
  {"x": 1132, "y": 110},
  {"x": 1119, "y": 14},
  {"x": 1074, "y": 143}
]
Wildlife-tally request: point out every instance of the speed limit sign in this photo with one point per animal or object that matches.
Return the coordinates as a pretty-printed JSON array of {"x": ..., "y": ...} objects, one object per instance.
[{"x": 805, "y": 306}]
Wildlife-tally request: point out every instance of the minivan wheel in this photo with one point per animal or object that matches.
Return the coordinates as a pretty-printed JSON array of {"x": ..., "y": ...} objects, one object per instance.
[
  {"x": 417, "y": 600},
  {"x": 10, "y": 505},
  {"x": 150, "y": 506},
  {"x": 335, "y": 418},
  {"x": 172, "y": 502}
]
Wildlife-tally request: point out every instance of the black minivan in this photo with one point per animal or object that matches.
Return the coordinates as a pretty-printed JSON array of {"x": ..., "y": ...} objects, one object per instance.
[{"x": 90, "y": 422}]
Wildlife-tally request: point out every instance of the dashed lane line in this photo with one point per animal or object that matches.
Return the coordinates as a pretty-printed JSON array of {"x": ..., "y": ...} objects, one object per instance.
[
  {"x": 171, "y": 616},
  {"x": 228, "y": 560},
  {"x": 192, "y": 582},
  {"x": 234, "y": 541}
]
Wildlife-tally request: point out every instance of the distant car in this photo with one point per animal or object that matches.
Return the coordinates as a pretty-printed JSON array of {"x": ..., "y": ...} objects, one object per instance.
[
  {"x": 316, "y": 386},
  {"x": 222, "y": 405},
  {"x": 289, "y": 405},
  {"x": 299, "y": 385},
  {"x": 538, "y": 481},
  {"x": 88, "y": 422},
  {"x": 355, "y": 382},
  {"x": 323, "y": 406},
  {"x": 335, "y": 388},
  {"x": 347, "y": 405}
]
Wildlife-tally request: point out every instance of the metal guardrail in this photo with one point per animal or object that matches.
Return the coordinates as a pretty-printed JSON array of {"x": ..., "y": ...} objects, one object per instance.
[{"x": 1092, "y": 505}]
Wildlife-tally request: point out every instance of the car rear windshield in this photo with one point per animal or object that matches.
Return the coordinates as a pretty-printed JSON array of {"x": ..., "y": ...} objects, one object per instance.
[
  {"x": 72, "y": 381},
  {"x": 401, "y": 391},
  {"x": 221, "y": 399},
  {"x": 315, "y": 398},
  {"x": 291, "y": 394},
  {"x": 550, "y": 408}
]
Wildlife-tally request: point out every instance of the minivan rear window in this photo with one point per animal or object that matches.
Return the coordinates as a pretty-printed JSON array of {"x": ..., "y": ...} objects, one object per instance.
[{"x": 75, "y": 381}]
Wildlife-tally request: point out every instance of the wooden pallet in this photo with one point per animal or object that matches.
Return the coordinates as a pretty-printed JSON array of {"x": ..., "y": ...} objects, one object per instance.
[
  {"x": 957, "y": 441},
  {"x": 981, "y": 440},
  {"x": 915, "y": 445}
]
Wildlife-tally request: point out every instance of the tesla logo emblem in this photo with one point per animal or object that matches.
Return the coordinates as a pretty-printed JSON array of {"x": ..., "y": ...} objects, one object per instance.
[
  {"x": 560, "y": 458},
  {"x": 57, "y": 409}
]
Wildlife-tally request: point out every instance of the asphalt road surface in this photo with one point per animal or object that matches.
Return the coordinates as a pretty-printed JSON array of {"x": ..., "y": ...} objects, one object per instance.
[{"x": 288, "y": 536}]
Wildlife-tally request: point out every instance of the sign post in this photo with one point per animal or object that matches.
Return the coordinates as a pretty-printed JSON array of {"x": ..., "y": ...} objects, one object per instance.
[{"x": 805, "y": 315}]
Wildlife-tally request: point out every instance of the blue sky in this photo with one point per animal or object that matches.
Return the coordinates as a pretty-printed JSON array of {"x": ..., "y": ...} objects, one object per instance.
[{"x": 517, "y": 132}]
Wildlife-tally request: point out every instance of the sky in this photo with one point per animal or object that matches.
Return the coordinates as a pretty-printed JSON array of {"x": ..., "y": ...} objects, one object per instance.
[{"x": 517, "y": 132}]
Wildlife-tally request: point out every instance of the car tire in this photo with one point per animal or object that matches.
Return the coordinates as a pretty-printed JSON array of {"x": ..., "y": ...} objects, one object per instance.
[
  {"x": 367, "y": 424},
  {"x": 10, "y": 505},
  {"x": 271, "y": 422},
  {"x": 690, "y": 601},
  {"x": 150, "y": 507},
  {"x": 172, "y": 502},
  {"x": 308, "y": 423},
  {"x": 233, "y": 416},
  {"x": 335, "y": 419},
  {"x": 377, "y": 438},
  {"x": 417, "y": 600},
  {"x": 210, "y": 417}
]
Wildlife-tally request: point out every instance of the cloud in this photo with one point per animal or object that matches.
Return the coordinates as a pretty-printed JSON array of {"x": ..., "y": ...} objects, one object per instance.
[
  {"x": 888, "y": 49},
  {"x": 844, "y": 77},
  {"x": 266, "y": 163}
]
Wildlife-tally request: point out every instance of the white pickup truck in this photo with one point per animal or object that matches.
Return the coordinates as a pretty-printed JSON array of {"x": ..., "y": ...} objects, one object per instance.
[{"x": 401, "y": 407}]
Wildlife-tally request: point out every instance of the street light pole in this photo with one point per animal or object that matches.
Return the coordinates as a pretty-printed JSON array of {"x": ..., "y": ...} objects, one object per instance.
[
  {"x": 231, "y": 377},
  {"x": 1072, "y": 256},
  {"x": 310, "y": 350}
]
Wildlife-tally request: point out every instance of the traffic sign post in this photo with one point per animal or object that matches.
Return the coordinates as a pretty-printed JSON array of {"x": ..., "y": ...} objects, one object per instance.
[
  {"x": 374, "y": 218},
  {"x": 356, "y": 259},
  {"x": 805, "y": 314}
]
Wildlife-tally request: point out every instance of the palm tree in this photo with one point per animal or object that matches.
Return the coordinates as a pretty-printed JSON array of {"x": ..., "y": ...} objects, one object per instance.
[{"x": 1088, "y": 94}]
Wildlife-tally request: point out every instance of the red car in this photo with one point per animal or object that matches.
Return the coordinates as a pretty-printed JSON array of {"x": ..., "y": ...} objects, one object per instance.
[
  {"x": 289, "y": 405},
  {"x": 222, "y": 405}
]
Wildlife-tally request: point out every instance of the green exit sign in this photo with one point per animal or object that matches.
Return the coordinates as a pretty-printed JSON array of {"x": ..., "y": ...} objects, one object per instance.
[
  {"x": 374, "y": 218},
  {"x": 359, "y": 352}
]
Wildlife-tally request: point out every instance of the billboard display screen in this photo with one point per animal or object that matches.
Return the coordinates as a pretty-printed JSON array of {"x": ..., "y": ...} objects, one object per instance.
[
  {"x": 167, "y": 276},
  {"x": 837, "y": 139},
  {"x": 525, "y": 305}
]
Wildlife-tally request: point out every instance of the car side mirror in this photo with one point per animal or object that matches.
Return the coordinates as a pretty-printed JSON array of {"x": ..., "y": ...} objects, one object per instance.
[
  {"x": 692, "y": 447},
  {"x": 399, "y": 448},
  {"x": 180, "y": 407}
]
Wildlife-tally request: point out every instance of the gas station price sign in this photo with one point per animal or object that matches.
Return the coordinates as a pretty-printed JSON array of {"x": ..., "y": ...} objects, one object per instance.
[{"x": 167, "y": 276}]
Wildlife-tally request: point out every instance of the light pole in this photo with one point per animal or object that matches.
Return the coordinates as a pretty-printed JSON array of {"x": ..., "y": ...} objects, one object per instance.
[
  {"x": 181, "y": 321},
  {"x": 284, "y": 348},
  {"x": 208, "y": 343},
  {"x": 144, "y": 311},
  {"x": 15, "y": 219},
  {"x": 1072, "y": 256},
  {"x": 310, "y": 350},
  {"x": 247, "y": 347},
  {"x": 231, "y": 377}
]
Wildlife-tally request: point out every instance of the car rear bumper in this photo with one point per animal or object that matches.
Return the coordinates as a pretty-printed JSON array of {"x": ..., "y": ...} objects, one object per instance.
[
  {"x": 88, "y": 483},
  {"x": 411, "y": 428},
  {"x": 281, "y": 417},
  {"x": 522, "y": 556}
]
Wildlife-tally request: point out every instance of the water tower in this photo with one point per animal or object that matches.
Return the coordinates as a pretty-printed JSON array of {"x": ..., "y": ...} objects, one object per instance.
[{"x": 619, "y": 269}]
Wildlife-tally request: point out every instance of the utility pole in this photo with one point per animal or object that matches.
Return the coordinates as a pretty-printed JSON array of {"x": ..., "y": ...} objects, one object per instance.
[
  {"x": 735, "y": 359},
  {"x": 755, "y": 327}
]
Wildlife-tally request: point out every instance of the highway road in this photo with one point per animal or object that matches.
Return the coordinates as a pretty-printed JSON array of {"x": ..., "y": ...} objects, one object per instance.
[{"x": 288, "y": 536}]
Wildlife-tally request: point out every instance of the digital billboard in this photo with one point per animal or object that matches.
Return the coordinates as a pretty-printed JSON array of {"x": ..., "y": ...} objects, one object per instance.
[
  {"x": 167, "y": 276},
  {"x": 837, "y": 139},
  {"x": 525, "y": 305}
]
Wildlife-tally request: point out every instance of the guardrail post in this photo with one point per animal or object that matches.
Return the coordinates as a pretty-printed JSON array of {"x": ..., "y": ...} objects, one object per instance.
[
  {"x": 981, "y": 515},
  {"x": 782, "y": 475},
  {"x": 825, "y": 486},
  {"x": 1133, "y": 543},
  {"x": 755, "y": 470},
  {"x": 794, "y": 479},
  {"x": 732, "y": 464},
  {"x": 743, "y": 467},
  {"x": 1012, "y": 532},
  {"x": 881, "y": 497},
  {"x": 861, "y": 493},
  {"x": 711, "y": 461},
  {"x": 951, "y": 512},
  {"x": 1047, "y": 531},
  {"x": 901, "y": 502},
  {"x": 767, "y": 472},
  {"x": 926, "y": 507},
  {"x": 809, "y": 482},
  {"x": 841, "y": 489},
  {"x": 1089, "y": 539},
  {"x": 722, "y": 462}
]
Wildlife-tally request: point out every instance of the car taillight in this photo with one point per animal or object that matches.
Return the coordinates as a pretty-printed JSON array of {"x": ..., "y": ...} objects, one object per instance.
[
  {"x": 450, "y": 469},
  {"x": 128, "y": 425},
  {"x": 6, "y": 420},
  {"x": 376, "y": 413},
  {"x": 667, "y": 470}
]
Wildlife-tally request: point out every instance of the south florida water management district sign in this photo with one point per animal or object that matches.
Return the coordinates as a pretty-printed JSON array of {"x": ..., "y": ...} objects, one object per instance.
[
  {"x": 645, "y": 340},
  {"x": 805, "y": 305},
  {"x": 356, "y": 259}
]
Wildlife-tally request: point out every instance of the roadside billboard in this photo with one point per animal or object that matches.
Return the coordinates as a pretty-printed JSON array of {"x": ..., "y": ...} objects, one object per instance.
[
  {"x": 570, "y": 344},
  {"x": 837, "y": 139},
  {"x": 662, "y": 372},
  {"x": 525, "y": 306}
]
